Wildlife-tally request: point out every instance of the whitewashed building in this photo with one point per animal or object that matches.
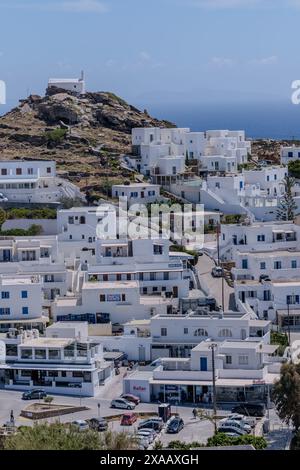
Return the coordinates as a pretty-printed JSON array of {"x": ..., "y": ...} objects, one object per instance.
[
  {"x": 244, "y": 371},
  {"x": 131, "y": 279},
  {"x": 34, "y": 182},
  {"x": 289, "y": 154},
  {"x": 75, "y": 85},
  {"x": 137, "y": 193},
  {"x": 64, "y": 361}
]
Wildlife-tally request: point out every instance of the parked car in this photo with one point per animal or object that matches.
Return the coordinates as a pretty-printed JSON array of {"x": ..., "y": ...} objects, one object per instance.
[
  {"x": 123, "y": 404},
  {"x": 175, "y": 425},
  {"x": 232, "y": 430},
  {"x": 250, "y": 409},
  {"x": 3, "y": 198},
  {"x": 152, "y": 423},
  {"x": 81, "y": 425},
  {"x": 264, "y": 277},
  {"x": 34, "y": 394},
  {"x": 149, "y": 434},
  {"x": 128, "y": 419},
  {"x": 98, "y": 424},
  {"x": 132, "y": 398},
  {"x": 236, "y": 424},
  {"x": 217, "y": 271},
  {"x": 142, "y": 442},
  {"x": 240, "y": 418}
]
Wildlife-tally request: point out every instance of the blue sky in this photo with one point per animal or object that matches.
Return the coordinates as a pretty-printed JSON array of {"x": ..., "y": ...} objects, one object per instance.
[{"x": 154, "y": 50}]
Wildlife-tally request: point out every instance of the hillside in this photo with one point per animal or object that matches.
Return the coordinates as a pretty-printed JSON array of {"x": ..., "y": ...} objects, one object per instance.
[{"x": 84, "y": 135}]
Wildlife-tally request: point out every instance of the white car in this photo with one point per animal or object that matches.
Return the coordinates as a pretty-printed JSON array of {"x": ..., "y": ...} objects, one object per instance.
[
  {"x": 150, "y": 434},
  {"x": 142, "y": 441},
  {"x": 235, "y": 425},
  {"x": 3, "y": 198},
  {"x": 240, "y": 418},
  {"x": 123, "y": 404},
  {"x": 81, "y": 425}
]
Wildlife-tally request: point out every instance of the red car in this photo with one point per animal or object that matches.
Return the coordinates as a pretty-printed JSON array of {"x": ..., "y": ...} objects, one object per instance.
[
  {"x": 128, "y": 419},
  {"x": 133, "y": 398}
]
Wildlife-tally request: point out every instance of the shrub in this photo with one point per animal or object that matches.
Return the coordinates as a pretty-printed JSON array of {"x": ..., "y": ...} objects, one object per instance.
[
  {"x": 220, "y": 440},
  {"x": 55, "y": 136}
]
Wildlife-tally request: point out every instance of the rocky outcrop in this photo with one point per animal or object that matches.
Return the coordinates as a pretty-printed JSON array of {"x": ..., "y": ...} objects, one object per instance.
[{"x": 83, "y": 134}]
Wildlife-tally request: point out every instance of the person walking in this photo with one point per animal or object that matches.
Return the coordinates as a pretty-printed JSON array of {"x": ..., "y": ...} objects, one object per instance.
[{"x": 195, "y": 413}]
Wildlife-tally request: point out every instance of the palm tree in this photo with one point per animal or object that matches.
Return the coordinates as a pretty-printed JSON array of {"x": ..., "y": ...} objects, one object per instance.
[{"x": 287, "y": 205}]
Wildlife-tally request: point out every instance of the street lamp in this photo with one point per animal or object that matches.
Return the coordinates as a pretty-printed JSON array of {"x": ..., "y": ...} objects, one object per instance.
[{"x": 212, "y": 347}]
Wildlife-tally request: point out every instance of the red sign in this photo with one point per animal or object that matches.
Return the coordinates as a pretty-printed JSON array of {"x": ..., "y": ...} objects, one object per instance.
[{"x": 139, "y": 388}]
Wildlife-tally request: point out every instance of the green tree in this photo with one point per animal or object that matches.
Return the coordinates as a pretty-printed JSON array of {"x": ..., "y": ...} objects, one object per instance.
[
  {"x": 58, "y": 436},
  {"x": 2, "y": 217},
  {"x": 286, "y": 394},
  {"x": 287, "y": 205}
]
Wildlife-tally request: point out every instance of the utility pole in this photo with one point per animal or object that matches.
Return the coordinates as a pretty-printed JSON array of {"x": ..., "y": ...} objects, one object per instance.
[
  {"x": 223, "y": 301},
  {"x": 218, "y": 243},
  {"x": 212, "y": 347},
  {"x": 289, "y": 327}
]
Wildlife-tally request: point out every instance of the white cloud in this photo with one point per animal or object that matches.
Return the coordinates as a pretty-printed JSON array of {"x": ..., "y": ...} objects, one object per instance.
[
  {"x": 273, "y": 59},
  {"x": 222, "y": 62}
]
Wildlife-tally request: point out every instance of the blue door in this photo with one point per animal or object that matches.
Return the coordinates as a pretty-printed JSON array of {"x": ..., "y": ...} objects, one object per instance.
[{"x": 203, "y": 363}]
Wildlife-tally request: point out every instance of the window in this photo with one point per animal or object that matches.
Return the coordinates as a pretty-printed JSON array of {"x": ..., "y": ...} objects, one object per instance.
[
  {"x": 18, "y": 171},
  {"x": 163, "y": 332},
  {"x": 244, "y": 264},
  {"x": 200, "y": 332},
  {"x": 26, "y": 354},
  {"x": 157, "y": 249},
  {"x": 4, "y": 311},
  {"x": 11, "y": 350},
  {"x": 123, "y": 298},
  {"x": 4, "y": 295},
  {"x": 25, "y": 310},
  {"x": 105, "y": 277},
  {"x": 185, "y": 331},
  {"x": 228, "y": 359},
  {"x": 243, "y": 360},
  {"x": 277, "y": 264},
  {"x": 48, "y": 169},
  {"x": 71, "y": 220},
  {"x": 30, "y": 171},
  {"x": 261, "y": 238},
  {"x": 54, "y": 354},
  {"x": 292, "y": 299},
  {"x": 225, "y": 333},
  {"x": 166, "y": 276},
  {"x": 118, "y": 277},
  {"x": 152, "y": 276},
  {"x": 40, "y": 353},
  {"x": 290, "y": 154},
  {"x": 102, "y": 297},
  {"x": 263, "y": 265},
  {"x": 4, "y": 171},
  {"x": 24, "y": 294},
  {"x": 294, "y": 264},
  {"x": 275, "y": 177}
]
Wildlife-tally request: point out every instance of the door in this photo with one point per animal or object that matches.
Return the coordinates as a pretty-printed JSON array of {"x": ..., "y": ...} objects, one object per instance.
[
  {"x": 175, "y": 292},
  {"x": 142, "y": 194},
  {"x": 203, "y": 364},
  {"x": 142, "y": 356}
]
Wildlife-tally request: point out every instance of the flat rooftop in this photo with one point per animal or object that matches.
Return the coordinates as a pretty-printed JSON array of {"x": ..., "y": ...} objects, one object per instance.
[
  {"x": 47, "y": 342},
  {"x": 111, "y": 285},
  {"x": 135, "y": 185}
]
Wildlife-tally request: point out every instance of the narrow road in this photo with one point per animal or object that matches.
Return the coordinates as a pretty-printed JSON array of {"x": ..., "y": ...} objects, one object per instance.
[{"x": 204, "y": 267}]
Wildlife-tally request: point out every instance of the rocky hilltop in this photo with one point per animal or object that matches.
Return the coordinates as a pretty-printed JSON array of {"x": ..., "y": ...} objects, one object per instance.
[{"x": 84, "y": 134}]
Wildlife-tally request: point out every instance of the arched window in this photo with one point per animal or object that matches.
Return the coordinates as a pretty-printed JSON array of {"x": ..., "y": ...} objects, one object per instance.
[
  {"x": 225, "y": 333},
  {"x": 201, "y": 332}
]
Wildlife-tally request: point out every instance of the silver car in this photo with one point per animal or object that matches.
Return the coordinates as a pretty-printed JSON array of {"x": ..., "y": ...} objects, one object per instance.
[{"x": 122, "y": 404}]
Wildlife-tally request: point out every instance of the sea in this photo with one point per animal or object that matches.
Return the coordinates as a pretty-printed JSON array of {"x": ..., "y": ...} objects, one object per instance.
[
  {"x": 260, "y": 121},
  {"x": 279, "y": 121}
]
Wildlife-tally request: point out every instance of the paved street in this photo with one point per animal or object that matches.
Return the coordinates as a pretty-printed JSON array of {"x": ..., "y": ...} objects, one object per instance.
[{"x": 204, "y": 267}]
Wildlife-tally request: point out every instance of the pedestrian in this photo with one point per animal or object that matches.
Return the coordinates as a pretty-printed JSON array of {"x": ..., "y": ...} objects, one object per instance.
[{"x": 195, "y": 413}]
